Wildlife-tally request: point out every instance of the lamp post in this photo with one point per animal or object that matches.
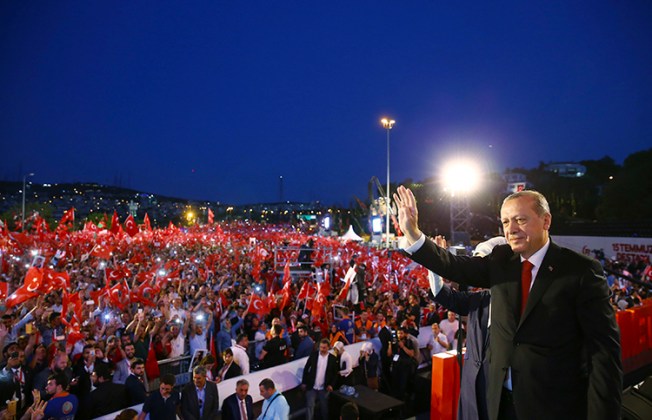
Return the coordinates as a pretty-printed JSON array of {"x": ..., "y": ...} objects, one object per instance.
[
  {"x": 387, "y": 125},
  {"x": 22, "y": 224}
]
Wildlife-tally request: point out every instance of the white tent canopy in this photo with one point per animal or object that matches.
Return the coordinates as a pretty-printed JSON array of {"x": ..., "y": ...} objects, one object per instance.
[{"x": 350, "y": 235}]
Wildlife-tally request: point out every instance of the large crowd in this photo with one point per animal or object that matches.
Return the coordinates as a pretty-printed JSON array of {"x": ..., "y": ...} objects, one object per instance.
[{"x": 89, "y": 313}]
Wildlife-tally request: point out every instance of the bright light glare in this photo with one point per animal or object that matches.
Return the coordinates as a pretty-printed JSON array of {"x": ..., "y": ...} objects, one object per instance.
[
  {"x": 460, "y": 177},
  {"x": 377, "y": 225}
]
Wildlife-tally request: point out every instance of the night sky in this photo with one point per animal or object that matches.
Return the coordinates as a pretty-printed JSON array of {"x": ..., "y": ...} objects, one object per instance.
[{"x": 217, "y": 99}]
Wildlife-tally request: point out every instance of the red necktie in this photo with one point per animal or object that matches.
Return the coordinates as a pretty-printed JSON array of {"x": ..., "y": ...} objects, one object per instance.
[{"x": 526, "y": 281}]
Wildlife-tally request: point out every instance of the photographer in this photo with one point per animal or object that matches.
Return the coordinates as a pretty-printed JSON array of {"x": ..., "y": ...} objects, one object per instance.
[{"x": 404, "y": 362}]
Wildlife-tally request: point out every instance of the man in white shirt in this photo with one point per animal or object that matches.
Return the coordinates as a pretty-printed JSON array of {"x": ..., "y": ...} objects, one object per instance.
[
  {"x": 240, "y": 355},
  {"x": 319, "y": 378},
  {"x": 449, "y": 327},
  {"x": 438, "y": 342}
]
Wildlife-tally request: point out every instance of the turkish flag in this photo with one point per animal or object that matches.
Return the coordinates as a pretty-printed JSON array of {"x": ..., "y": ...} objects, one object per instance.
[
  {"x": 151, "y": 364},
  {"x": 4, "y": 289},
  {"x": 306, "y": 290},
  {"x": 54, "y": 280},
  {"x": 116, "y": 274},
  {"x": 148, "y": 225},
  {"x": 117, "y": 295},
  {"x": 257, "y": 306},
  {"x": 90, "y": 227},
  {"x": 130, "y": 226},
  {"x": 115, "y": 223},
  {"x": 33, "y": 279},
  {"x": 102, "y": 251},
  {"x": 318, "y": 310},
  {"x": 68, "y": 216},
  {"x": 211, "y": 217},
  {"x": 286, "y": 273}
]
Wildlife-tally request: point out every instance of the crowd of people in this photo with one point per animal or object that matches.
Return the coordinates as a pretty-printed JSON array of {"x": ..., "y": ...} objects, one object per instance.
[{"x": 88, "y": 314}]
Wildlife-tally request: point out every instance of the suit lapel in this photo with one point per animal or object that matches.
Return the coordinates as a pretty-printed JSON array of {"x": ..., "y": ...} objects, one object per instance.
[{"x": 542, "y": 281}]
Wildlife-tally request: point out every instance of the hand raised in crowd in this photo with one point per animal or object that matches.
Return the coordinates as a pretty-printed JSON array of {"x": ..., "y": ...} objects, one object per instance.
[
  {"x": 3, "y": 331},
  {"x": 408, "y": 215},
  {"x": 38, "y": 410}
]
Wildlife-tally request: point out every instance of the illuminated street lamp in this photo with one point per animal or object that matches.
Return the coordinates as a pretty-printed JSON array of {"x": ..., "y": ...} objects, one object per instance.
[
  {"x": 460, "y": 178},
  {"x": 22, "y": 225},
  {"x": 387, "y": 125}
]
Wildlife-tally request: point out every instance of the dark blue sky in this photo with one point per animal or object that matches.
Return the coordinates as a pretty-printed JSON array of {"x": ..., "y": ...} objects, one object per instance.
[{"x": 217, "y": 99}]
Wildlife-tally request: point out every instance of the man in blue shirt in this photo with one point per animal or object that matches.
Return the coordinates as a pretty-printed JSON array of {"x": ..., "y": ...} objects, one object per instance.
[
  {"x": 306, "y": 345},
  {"x": 346, "y": 326},
  {"x": 61, "y": 405},
  {"x": 275, "y": 406}
]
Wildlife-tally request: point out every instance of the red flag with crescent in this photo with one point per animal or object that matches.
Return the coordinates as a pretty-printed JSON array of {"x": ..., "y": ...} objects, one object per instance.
[
  {"x": 257, "y": 306},
  {"x": 115, "y": 223},
  {"x": 102, "y": 251},
  {"x": 130, "y": 226},
  {"x": 148, "y": 225}
]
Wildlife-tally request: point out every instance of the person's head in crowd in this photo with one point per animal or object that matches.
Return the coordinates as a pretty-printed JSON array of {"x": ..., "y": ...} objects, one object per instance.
[
  {"x": 125, "y": 339},
  {"x": 166, "y": 385},
  {"x": 175, "y": 329},
  {"x": 88, "y": 354},
  {"x": 242, "y": 340},
  {"x": 199, "y": 376},
  {"x": 277, "y": 330},
  {"x": 55, "y": 319},
  {"x": 8, "y": 320},
  {"x": 130, "y": 351},
  {"x": 208, "y": 362},
  {"x": 101, "y": 373},
  {"x": 267, "y": 388},
  {"x": 227, "y": 356},
  {"x": 302, "y": 331},
  {"x": 338, "y": 347},
  {"x": 435, "y": 329},
  {"x": 349, "y": 411},
  {"x": 57, "y": 382},
  {"x": 127, "y": 414},
  {"x": 59, "y": 362},
  {"x": 242, "y": 389},
  {"x": 138, "y": 367},
  {"x": 13, "y": 359},
  {"x": 99, "y": 351},
  {"x": 276, "y": 321},
  {"x": 9, "y": 348},
  {"x": 324, "y": 346},
  {"x": 380, "y": 318},
  {"x": 451, "y": 316},
  {"x": 402, "y": 333},
  {"x": 390, "y": 320}
]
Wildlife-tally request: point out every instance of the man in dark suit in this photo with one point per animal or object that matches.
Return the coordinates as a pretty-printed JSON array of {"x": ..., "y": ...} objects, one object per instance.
[
  {"x": 555, "y": 345},
  {"x": 135, "y": 383},
  {"x": 199, "y": 399},
  {"x": 107, "y": 397},
  {"x": 319, "y": 377},
  {"x": 235, "y": 405}
]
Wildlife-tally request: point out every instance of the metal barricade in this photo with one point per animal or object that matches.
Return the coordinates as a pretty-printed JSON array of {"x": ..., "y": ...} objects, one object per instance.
[{"x": 178, "y": 366}]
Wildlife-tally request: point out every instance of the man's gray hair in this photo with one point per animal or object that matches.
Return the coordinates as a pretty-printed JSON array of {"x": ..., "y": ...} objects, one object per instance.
[
  {"x": 541, "y": 206},
  {"x": 199, "y": 370}
]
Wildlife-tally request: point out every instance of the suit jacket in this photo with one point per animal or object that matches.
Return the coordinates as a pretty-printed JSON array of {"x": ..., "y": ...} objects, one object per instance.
[
  {"x": 310, "y": 371},
  {"x": 190, "y": 402},
  {"x": 564, "y": 351},
  {"x": 231, "y": 408},
  {"x": 473, "y": 392},
  {"x": 107, "y": 398}
]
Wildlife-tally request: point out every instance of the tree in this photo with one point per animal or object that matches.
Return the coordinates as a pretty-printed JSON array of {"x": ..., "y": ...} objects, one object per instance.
[{"x": 628, "y": 197}]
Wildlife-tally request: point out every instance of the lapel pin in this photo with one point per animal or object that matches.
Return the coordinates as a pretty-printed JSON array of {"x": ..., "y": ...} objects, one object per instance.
[{"x": 549, "y": 268}]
